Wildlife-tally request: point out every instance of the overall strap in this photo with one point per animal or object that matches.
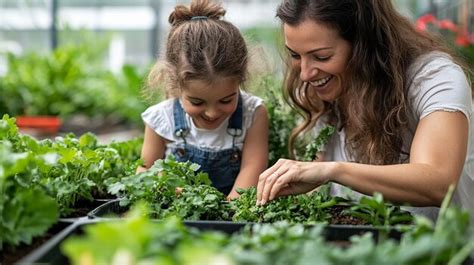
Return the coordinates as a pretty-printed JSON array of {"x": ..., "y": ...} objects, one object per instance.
[
  {"x": 180, "y": 127},
  {"x": 235, "y": 121}
]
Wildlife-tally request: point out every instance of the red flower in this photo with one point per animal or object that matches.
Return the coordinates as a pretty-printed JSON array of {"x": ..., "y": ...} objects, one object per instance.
[
  {"x": 428, "y": 18},
  {"x": 421, "y": 22},
  {"x": 462, "y": 39},
  {"x": 447, "y": 24}
]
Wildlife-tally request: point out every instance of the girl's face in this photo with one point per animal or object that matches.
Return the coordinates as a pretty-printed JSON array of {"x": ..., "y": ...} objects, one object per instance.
[
  {"x": 210, "y": 104},
  {"x": 320, "y": 55}
]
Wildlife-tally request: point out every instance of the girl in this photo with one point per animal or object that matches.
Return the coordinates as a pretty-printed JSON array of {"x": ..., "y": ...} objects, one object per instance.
[
  {"x": 400, "y": 103},
  {"x": 210, "y": 122}
]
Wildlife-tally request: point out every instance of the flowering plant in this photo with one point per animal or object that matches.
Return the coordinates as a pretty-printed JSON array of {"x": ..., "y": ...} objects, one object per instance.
[{"x": 457, "y": 37}]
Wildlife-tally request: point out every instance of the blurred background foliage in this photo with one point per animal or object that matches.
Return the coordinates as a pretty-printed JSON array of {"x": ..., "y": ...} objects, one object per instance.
[{"x": 88, "y": 60}]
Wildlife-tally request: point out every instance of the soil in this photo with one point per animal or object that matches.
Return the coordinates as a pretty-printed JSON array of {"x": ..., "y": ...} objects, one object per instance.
[
  {"x": 338, "y": 217},
  {"x": 82, "y": 208},
  {"x": 12, "y": 254}
]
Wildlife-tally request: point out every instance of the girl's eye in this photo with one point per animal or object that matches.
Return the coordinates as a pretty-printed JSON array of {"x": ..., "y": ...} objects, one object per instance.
[
  {"x": 196, "y": 103},
  {"x": 227, "y": 101}
]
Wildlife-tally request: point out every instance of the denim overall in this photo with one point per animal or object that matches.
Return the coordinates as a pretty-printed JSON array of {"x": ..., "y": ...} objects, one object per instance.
[{"x": 221, "y": 166}]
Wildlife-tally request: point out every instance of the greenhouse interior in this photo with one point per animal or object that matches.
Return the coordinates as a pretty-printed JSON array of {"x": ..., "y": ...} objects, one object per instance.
[{"x": 236, "y": 132}]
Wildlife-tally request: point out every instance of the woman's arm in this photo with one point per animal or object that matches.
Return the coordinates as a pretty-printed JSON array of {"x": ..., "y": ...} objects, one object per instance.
[
  {"x": 437, "y": 156},
  {"x": 152, "y": 150},
  {"x": 254, "y": 153}
]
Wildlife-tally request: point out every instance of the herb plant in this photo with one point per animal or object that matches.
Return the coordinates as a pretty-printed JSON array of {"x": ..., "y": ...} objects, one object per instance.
[
  {"x": 202, "y": 202},
  {"x": 378, "y": 213},
  {"x": 305, "y": 208},
  {"x": 312, "y": 150},
  {"x": 158, "y": 184},
  {"x": 141, "y": 241}
]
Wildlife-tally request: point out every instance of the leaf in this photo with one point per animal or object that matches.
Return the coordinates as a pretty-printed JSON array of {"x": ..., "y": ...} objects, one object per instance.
[{"x": 317, "y": 145}]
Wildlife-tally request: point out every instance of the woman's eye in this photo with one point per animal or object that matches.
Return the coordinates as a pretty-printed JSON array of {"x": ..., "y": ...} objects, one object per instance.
[
  {"x": 295, "y": 56},
  {"x": 321, "y": 58}
]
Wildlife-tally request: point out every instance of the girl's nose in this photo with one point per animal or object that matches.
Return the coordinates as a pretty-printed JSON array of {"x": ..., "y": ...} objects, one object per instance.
[
  {"x": 211, "y": 113},
  {"x": 308, "y": 71}
]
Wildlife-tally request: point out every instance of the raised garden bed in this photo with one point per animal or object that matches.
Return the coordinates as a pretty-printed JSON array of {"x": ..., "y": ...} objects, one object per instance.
[
  {"x": 50, "y": 253},
  {"x": 113, "y": 209},
  {"x": 12, "y": 254},
  {"x": 337, "y": 232},
  {"x": 82, "y": 208}
]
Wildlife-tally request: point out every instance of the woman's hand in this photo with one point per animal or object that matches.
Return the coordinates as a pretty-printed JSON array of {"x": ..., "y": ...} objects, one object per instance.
[
  {"x": 289, "y": 177},
  {"x": 233, "y": 195}
]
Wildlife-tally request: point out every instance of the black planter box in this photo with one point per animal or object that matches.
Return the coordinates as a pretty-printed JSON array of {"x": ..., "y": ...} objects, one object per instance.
[
  {"x": 113, "y": 210},
  {"x": 82, "y": 208},
  {"x": 50, "y": 253},
  {"x": 10, "y": 255},
  {"x": 110, "y": 209}
]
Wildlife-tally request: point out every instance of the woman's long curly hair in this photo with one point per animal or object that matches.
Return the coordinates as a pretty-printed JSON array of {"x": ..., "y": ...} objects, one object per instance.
[
  {"x": 373, "y": 107},
  {"x": 200, "y": 46}
]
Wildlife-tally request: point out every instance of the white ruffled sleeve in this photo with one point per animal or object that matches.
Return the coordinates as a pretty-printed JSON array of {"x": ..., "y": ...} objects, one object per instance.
[{"x": 159, "y": 117}]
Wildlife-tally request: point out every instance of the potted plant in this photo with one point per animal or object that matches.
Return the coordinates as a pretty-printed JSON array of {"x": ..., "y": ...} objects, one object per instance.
[{"x": 43, "y": 124}]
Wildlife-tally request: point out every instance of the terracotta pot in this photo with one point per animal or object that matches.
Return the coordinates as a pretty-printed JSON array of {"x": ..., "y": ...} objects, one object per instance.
[{"x": 46, "y": 124}]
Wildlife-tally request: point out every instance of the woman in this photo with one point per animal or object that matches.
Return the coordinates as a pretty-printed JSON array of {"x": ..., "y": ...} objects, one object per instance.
[{"x": 400, "y": 103}]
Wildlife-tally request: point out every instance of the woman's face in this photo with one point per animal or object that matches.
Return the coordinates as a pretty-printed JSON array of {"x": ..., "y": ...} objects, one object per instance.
[
  {"x": 320, "y": 55},
  {"x": 210, "y": 104}
]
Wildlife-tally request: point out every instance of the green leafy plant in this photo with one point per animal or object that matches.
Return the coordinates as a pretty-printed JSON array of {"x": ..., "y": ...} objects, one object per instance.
[
  {"x": 82, "y": 168},
  {"x": 158, "y": 184},
  {"x": 72, "y": 80},
  {"x": 141, "y": 241},
  {"x": 312, "y": 150},
  {"x": 26, "y": 210},
  {"x": 201, "y": 202},
  {"x": 137, "y": 240},
  {"x": 377, "y": 212},
  {"x": 281, "y": 117},
  {"x": 306, "y": 208}
]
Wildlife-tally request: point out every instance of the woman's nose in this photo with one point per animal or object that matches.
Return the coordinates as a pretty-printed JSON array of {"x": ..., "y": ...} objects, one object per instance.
[{"x": 308, "y": 71}]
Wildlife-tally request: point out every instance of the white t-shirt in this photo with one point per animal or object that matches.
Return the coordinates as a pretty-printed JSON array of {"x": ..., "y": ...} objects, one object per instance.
[
  {"x": 438, "y": 85},
  {"x": 160, "y": 118}
]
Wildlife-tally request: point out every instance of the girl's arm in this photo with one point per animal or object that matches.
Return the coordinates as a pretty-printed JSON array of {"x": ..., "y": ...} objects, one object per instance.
[
  {"x": 254, "y": 153},
  {"x": 152, "y": 150},
  {"x": 437, "y": 156}
]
